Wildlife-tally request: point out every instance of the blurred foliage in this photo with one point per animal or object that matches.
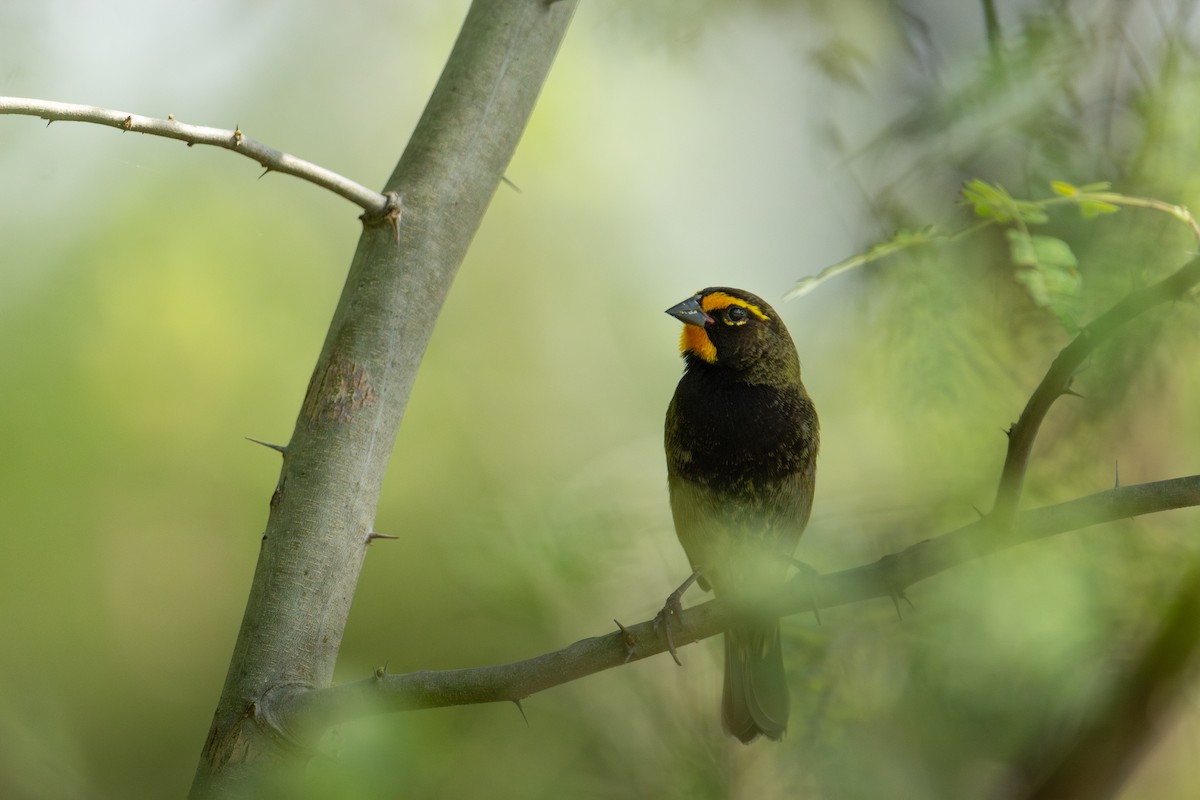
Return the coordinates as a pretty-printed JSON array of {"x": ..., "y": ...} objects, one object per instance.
[{"x": 157, "y": 304}]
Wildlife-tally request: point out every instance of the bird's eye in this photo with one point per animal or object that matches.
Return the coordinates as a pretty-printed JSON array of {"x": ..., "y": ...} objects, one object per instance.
[{"x": 736, "y": 314}]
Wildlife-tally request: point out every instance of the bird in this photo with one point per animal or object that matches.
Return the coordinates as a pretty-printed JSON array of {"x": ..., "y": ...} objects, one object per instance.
[{"x": 741, "y": 440}]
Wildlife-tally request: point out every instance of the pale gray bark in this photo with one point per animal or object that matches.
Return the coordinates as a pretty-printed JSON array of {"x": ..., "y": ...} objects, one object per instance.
[{"x": 324, "y": 507}]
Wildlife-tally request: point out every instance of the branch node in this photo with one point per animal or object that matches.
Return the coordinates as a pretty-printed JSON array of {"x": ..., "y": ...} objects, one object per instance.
[
  {"x": 128, "y": 123},
  {"x": 238, "y": 136},
  {"x": 381, "y": 672},
  {"x": 170, "y": 118}
]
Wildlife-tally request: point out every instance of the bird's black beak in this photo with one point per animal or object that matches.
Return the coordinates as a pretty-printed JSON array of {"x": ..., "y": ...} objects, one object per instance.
[{"x": 689, "y": 312}]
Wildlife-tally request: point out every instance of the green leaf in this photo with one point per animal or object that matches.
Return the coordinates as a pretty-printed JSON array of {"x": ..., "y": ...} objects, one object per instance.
[
  {"x": 992, "y": 201},
  {"x": 1094, "y": 208},
  {"x": 1031, "y": 213},
  {"x": 1050, "y": 273},
  {"x": 988, "y": 201},
  {"x": 1063, "y": 188}
]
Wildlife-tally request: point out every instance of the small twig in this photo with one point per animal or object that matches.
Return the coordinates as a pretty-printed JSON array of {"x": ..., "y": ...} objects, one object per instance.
[
  {"x": 1058, "y": 379},
  {"x": 272, "y": 160}
]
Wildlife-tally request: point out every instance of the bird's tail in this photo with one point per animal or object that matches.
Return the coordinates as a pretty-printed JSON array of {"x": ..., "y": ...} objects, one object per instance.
[{"x": 755, "y": 699}]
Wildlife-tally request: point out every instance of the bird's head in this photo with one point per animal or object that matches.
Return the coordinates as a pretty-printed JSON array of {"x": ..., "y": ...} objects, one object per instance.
[{"x": 731, "y": 328}]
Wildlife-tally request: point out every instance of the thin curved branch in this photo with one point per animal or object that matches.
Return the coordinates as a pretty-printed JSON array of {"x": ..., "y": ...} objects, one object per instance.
[
  {"x": 374, "y": 203},
  {"x": 1062, "y": 371},
  {"x": 305, "y": 712}
]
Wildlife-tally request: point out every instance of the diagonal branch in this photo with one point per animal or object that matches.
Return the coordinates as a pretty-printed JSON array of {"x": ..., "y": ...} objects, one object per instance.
[
  {"x": 374, "y": 203},
  {"x": 1058, "y": 380},
  {"x": 312, "y": 711}
]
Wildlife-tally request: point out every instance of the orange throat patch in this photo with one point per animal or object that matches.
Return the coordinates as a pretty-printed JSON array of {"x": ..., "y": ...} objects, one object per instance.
[{"x": 695, "y": 340}]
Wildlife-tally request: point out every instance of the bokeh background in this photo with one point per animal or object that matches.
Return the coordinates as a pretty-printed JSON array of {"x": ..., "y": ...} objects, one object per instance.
[{"x": 160, "y": 303}]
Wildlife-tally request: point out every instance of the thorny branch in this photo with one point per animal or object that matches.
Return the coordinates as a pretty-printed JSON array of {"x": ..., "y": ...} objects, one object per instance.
[
  {"x": 1062, "y": 371},
  {"x": 307, "y": 713},
  {"x": 375, "y": 205}
]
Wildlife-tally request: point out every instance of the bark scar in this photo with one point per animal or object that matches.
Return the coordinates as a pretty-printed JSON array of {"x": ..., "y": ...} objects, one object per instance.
[{"x": 338, "y": 390}]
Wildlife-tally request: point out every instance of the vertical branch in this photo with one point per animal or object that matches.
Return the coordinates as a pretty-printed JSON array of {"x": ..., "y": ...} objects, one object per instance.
[{"x": 323, "y": 508}]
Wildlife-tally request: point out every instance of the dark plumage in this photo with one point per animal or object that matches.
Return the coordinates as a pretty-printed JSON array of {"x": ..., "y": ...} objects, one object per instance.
[{"x": 741, "y": 441}]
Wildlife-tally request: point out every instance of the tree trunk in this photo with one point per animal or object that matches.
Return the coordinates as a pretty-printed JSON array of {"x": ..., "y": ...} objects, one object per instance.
[{"x": 323, "y": 508}]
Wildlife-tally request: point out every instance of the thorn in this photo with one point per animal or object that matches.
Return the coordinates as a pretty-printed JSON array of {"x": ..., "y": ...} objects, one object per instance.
[
  {"x": 170, "y": 117},
  {"x": 1008, "y": 431},
  {"x": 278, "y": 448},
  {"x": 48, "y": 122},
  {"x": 628, "y": 639},
  {"x": 1073, "y": 393},
  {"x": 372, "y": 536},
  {"x": 896, "y": 605},
  {"x": 521, "y": 708},
  {"x": 238, "y": 136},
  {"x": 128, "y": 123},
  {"x": 189, "y": 144},
  {"x": 977, "y": 511},
  {"x": 1116, "y": 474},
  {"x": 264, "y": 173},
  {"x": 512, "y": 185}
]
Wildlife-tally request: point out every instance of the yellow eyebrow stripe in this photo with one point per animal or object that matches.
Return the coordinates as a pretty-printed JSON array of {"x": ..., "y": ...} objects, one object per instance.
[{"x": 715, "y": 301}]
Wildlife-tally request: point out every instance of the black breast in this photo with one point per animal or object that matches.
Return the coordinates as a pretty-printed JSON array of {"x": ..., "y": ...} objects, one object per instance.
[{"x": 734, "y": 437}]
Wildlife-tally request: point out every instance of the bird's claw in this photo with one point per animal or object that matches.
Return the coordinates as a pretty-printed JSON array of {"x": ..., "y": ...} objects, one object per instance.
[
  {"x": 897, "y": 596},
  {"x": 673, "y": 608}
]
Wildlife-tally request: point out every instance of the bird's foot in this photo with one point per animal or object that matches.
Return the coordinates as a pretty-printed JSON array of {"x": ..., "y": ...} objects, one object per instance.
[
  {"x": 673, "y": 609},
  {"x": 809, "y": 574}
]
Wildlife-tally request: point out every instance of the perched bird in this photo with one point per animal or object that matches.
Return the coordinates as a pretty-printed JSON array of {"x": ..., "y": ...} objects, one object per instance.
[{"x": 741, "y": 440}]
